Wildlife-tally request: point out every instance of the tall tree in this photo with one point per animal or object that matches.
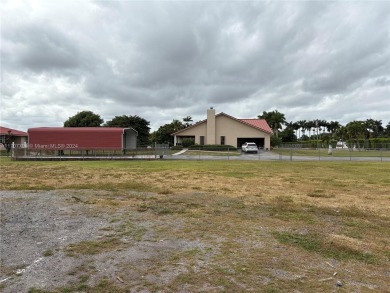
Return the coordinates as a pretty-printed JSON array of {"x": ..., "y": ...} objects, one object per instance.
[
  {"x": 333, "y": 126},
  {"x": 275, "y": 120},
  {"x": 163, "y": 134},
  {"x": 84, "y": 119},
  {"x": 356, "y": 131},
  {"x": 302, "y": 128},
  {"x": 374, "y": 128},
  {"x": 135, "y": 122},
  {"x": 386, "y": 131}
]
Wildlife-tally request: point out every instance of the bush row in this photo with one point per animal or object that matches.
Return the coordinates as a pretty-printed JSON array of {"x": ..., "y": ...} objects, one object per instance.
[
  {"x": 177, "y": 148},
  {"x": 372, "y": 143},
  {"x": 213, "y": 147}
]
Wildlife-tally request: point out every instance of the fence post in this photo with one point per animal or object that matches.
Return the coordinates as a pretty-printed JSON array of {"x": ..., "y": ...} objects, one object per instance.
[{"x": 290, "y": 154}]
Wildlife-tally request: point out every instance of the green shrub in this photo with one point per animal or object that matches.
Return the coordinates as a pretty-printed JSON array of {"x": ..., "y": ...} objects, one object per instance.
[
  {"x": 177, "y": 148},
  {"x": 213, "y": 147},
  {"x": 186, "y": 142},
  {"x": 275, "y": 141}
]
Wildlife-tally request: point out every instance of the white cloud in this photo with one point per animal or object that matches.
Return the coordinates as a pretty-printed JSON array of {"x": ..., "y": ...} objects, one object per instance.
[{"x": 167, "y": 60}]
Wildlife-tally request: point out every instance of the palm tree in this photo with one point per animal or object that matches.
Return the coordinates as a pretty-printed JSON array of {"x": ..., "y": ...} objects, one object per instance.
[
  {"x": 296, "y": 127},
  {"x": 333, "y": 126},
  {"x": 275, "y": 120},
  {"x": 302, "y": 124},
  {"x": 356, "y": 130},
  {"x": 309, "y": 126},
  {"x": 322, "y": 125},
  {"x": 187, "y": 121},
  {"x": 374, "y": 127}
]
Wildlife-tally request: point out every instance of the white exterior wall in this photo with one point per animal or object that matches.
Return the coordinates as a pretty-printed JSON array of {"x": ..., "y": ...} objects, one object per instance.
[
  {"x": 233, "y": 129},
  {"x": 224, "y": 126},
  {"x": 197, "y": 131}
]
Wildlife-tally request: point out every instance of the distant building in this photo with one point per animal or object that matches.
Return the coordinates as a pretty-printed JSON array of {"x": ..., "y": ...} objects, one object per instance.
[
  {"x": 226, "y": 130},
  {"x": 19, "y": 138}
]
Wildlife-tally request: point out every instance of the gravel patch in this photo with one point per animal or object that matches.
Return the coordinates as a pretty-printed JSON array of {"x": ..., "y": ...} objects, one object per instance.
[{"x": 38, "y": 226}]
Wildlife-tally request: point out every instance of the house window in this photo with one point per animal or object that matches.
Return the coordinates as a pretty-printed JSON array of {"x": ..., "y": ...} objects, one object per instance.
[
  {"x": 222, "y": 140},
  {"x": 202, "y": 140}
]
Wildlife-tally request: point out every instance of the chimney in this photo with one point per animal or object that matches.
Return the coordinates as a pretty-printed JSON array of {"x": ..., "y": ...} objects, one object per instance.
[{"x": 210, "y": 135}]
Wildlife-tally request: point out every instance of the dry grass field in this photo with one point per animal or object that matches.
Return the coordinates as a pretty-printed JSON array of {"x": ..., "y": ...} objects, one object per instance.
[{"x": 260, "y": 226}]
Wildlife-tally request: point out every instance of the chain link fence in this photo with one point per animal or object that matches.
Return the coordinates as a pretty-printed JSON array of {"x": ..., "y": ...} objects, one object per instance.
[
  {"x": 157, "y": 151},
  {"x": 163, "y": 151}
]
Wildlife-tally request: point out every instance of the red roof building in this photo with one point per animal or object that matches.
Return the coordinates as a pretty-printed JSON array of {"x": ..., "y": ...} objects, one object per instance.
[
  {"x": 19, "y": 138},
  {"x": 225, "y": 129},
  {"x": 14, "y": 132},
  {"x": 82, "y": 138}
]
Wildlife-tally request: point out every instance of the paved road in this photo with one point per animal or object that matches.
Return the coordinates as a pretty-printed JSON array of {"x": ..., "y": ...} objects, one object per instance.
[{"x": 270, "y": 156}]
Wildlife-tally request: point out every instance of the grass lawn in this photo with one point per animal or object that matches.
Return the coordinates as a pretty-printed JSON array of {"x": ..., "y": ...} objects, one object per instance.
[{"x": 264, "y": 226}]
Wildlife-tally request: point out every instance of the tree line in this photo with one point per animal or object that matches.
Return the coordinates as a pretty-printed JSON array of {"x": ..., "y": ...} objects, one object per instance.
[
  {"x": 283, "y": 131},
  {"x": 141, "y": 125},
  {"x": 324, "y": 131}
]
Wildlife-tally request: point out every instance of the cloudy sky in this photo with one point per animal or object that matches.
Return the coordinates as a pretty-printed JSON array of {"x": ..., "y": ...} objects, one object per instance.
[{"x": 165, "y": 60}]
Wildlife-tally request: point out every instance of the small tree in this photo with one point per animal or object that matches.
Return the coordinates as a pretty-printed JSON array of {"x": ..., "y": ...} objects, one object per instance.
[
  {"x": 7, "y": 143},
  {"x": 275, "y": 141},
  {"x": 163, "y": 134}
]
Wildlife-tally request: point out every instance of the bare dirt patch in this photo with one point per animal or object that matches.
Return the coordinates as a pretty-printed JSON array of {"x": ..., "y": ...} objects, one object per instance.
[{"x": 61, "y": 239}]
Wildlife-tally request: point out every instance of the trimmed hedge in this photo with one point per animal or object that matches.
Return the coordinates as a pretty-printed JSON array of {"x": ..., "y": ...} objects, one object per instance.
[
  {"x": 177, "y": 148},
  {"x": 372, "y": 143},
  {"x": 213, "y": 147}
]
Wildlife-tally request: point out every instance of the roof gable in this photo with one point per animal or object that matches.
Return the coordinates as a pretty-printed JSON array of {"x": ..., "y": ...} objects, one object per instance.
[{"x": 260, "y": 124}]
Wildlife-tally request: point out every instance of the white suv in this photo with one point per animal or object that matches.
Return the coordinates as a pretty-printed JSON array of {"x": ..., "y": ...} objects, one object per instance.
[{"x": 249, "y": 147}]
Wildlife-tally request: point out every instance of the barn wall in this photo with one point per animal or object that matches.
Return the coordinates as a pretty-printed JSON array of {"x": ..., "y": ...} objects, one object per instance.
[{"x": 75, "y": 138}]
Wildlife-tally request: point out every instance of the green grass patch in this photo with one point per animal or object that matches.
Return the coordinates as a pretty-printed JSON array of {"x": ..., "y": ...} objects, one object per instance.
[
  {"x": 314, "y": 242},
  {"x": 93, "y": 247}
]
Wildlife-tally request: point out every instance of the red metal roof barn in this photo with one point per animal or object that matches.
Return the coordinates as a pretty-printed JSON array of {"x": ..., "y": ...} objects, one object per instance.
[{"x": 82, "y": 138}]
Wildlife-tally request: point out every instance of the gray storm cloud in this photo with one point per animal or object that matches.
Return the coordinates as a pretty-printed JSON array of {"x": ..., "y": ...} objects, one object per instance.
[{"x": 167, "y": 60}]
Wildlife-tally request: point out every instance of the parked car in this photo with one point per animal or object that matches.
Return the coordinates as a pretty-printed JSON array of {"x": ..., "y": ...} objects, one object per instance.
[{"x": 249, "y": 147}]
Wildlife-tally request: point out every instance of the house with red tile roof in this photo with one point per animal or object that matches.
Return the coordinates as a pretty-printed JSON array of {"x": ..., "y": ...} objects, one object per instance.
[
  {"x": 17, "y": 137},
  {"x": 224, "y": 129}
]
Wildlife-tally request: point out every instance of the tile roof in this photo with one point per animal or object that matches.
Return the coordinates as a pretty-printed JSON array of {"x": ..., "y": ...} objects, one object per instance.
[
  {"x": 258, "y": 123},
  {"x": 4, "y": 131}
]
